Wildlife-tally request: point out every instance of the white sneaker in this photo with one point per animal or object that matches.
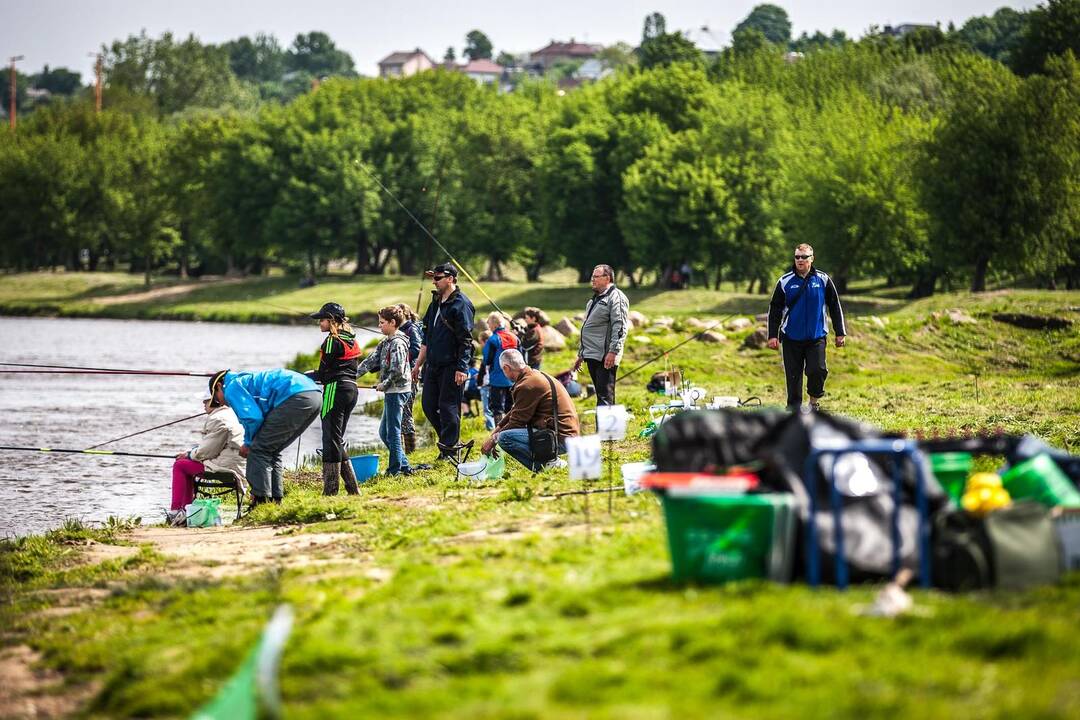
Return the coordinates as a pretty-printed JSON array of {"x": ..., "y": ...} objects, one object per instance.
[
  {"x": 556, "y": 464},
  {"x": 176, "y": 518}
]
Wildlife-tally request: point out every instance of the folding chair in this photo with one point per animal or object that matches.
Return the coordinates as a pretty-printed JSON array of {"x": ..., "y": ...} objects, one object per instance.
[{"x": 219, "y": 483}]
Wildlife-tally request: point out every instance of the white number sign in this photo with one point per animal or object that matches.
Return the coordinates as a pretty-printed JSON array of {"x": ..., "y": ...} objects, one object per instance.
[
  {"x": 584, "y": 457},
  {"x": 611, "y": 421}
]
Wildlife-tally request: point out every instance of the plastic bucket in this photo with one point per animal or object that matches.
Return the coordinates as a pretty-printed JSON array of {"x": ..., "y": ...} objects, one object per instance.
[
  {"x": 717, "y": 538},
  {"x": 951, "y": 470},
  {"x": 474, "y": 470},
  {"x": 365, "y": 466},
  {"x": 1040, "y": 479}
]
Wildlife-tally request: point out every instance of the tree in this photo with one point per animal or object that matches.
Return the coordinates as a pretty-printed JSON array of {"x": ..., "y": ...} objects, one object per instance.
[
  {"x": 258, "y": 60},
  {"x": 60, "y": 81},
  {"x": 995, "y": 36},
  {"x": 315, "y": 55},
  {"x": 615, "y": 56},
  {"x": 1051, "y": 29},
  {"x": 659, "y": 47},
  {"x": 477, "y": 46},
  {"x": 771, "y": 21},
  {"x": 449, "y": 55},
  {"x": 1000, "y": 171},
  {"x": 175, "y": 75},
  {"x": 819, "y": 40}
]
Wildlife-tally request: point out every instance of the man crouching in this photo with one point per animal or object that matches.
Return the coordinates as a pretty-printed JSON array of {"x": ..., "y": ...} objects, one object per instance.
[{"x": 532, "y": 411}]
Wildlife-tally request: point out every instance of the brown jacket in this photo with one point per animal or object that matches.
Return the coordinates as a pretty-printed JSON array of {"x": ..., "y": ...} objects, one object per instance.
[{"x": 532, "y": 405}]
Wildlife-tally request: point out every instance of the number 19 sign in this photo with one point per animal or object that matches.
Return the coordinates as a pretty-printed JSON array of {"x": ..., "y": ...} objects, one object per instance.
[{"x": 584, "y": 457}]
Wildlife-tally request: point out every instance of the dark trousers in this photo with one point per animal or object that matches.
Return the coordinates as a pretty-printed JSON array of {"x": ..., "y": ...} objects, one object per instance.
[
  {"x": 603, "y": 380},
  {"x": 339, "y": 400},
  {"x": 804, "y": 356},
  {"x": 441, "y": 401},
  {"x": 279, "y": 428},
  {"x": 499, "y": 402}
]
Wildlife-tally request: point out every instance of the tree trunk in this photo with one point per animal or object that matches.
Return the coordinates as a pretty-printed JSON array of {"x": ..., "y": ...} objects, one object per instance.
[
  {"x": 532, "y": 270},
  {"x": 185, "y": 244},
  {"x": 146, "y": 270},
  {"x": 924, "y": 284},
  {"x": 584, "y": 274},
  {"x": 750, "y": 287},
  {"x": 763, "y": 286},
  {"x": 978, "y": 281},
  {"x": 362, "y": 256}
]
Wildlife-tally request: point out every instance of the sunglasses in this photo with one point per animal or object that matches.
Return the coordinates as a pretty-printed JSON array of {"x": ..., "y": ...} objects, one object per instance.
[
  {"x": 803, "y": 257},
  {"x": 439, "y": 277}
]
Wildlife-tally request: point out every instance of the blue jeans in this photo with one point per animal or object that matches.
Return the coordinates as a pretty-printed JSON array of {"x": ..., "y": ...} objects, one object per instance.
[
  {"x": 489, "y": 420},
  {"x": 516, "y": 443},
  {"x": 390, "y": 430}
]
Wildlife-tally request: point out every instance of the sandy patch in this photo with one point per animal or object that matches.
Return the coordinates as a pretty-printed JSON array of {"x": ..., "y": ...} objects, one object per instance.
[
  {"x": 224, "y": 551},
  {"x": 31, "y": 692}
]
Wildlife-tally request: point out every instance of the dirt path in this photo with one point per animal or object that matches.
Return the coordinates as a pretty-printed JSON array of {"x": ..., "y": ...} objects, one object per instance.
[
  {"x": 29, "y": 692},
  {"x": 173, "y": 291}
]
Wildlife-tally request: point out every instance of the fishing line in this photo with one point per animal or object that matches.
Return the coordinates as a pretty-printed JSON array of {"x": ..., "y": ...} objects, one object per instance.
[
  {"x": 140, "y": 432},
  {"x": 434, "y": 239},
  {"x": 664, "y": 353},
  {"x": 308, "y": 315},
  {"x": 119, "y": 371},
  {"x": 86, "y": 452}
]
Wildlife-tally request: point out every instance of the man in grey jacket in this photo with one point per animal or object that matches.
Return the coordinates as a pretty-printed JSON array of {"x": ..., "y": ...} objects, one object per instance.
[{"x": 603, "y": 334}]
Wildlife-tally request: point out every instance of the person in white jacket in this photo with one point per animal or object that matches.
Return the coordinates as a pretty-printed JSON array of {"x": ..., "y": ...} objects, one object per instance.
[{"x": 219, "y": 449}]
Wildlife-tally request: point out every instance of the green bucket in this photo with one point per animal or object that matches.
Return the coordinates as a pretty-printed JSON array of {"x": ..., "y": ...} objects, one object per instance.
[
  {"x": 1040, "y": 479},
  {"x": 717, "y": 538},
  {"x": 951, "y": 470}
]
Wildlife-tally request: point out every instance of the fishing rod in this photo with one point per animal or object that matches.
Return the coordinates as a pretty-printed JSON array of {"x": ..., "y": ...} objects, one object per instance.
[
  {"x": 693, "y": 337},
  {"x": 434, "y": 219},
  {"x": 86, "y": 452},
  {"x": 103, "y": 371},
  {"x": 140, "y": 432},
  {"x": 427, "y": 232}
]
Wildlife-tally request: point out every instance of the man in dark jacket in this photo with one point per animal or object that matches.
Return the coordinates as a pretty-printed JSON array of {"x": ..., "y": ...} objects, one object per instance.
[
  {"x": 797, "y": 321},
  {"x": 444, "y": 356}
]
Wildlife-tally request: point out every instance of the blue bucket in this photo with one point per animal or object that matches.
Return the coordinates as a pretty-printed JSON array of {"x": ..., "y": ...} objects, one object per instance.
[{"x": 365, "y": 466}]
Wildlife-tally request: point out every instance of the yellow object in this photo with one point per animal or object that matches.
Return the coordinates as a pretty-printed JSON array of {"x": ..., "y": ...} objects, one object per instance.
[{"x": 984, "y": 494}]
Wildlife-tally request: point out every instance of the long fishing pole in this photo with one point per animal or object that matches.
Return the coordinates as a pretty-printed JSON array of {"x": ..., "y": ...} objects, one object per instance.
[
  {"x": 101, "y": 372},
  {"x": 140, "y": 432},
  {"x": 119, "y": 371},
  {"x": 427, "y": 232},
  {"x": 86, "y": 452},
  {"x": 693, "y": 337},
  {"x": 434, "y": 219}
]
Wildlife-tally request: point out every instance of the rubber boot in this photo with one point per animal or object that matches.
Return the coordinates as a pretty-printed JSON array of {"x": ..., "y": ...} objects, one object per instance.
[
  {"x": 330, "y": 478},
  {"x": 348, "y": 478},
  {"x": 408, "y": 442}
]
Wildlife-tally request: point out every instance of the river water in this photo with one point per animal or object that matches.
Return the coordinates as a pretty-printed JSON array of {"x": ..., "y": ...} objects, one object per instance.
[{"x": 39, "y": 490}]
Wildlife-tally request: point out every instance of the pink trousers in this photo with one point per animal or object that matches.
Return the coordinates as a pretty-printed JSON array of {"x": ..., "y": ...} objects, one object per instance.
[{"x": 183, "y": 481}]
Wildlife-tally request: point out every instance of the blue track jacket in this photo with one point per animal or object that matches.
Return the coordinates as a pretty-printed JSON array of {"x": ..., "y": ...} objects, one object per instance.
[
  {"x": 492, "y": 352},
  {"x": 253, "y": 395},
  {"x": 805, "y": 320}
]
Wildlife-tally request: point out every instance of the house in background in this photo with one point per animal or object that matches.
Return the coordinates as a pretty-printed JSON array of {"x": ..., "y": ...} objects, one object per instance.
[
  {"x": 403, "y": 64},
  {"x": 484, "y": 72},
  {"x": 555, "y": 52}
]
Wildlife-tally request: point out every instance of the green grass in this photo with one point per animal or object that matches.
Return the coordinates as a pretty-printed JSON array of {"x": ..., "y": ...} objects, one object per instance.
[{"x": 559, "y": 609}]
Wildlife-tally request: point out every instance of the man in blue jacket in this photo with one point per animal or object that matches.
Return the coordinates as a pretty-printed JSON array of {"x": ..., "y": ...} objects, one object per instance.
[
  {"x": 274, "y": 408},
  {"x": 797, "y": 321},
  {"x": 444, "y": 356}
]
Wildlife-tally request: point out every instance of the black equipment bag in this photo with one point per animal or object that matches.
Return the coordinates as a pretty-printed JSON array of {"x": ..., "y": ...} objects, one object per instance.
[
  {"x": 1013, "y": 548},
  {"x": 544, "y": 442}
]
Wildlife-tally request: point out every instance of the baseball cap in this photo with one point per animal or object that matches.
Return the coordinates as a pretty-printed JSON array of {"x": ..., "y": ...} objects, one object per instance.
[
  {"x": 442, "y": 269},
  {"x": 329, "y": 311}
]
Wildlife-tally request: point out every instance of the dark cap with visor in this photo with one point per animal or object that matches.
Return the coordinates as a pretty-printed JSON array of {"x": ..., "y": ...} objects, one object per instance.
[
  {"x": 442, "y": 269},
  {"x": 329, "y": 311}
]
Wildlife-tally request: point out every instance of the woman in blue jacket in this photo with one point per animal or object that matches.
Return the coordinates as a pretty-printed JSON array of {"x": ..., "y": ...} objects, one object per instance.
[
  {"x": 274, "y": 408},
  {"x": 499, "y": 385}
]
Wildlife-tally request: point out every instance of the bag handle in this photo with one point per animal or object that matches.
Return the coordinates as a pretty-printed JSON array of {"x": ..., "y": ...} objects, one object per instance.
[{"x": 554, "y": 408}]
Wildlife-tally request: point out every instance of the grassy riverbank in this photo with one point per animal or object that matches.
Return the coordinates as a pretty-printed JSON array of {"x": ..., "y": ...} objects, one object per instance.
[{"x": 431, "y": 597}]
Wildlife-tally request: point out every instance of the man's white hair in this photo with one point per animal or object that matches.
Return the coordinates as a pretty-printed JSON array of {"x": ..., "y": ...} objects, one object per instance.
[{"x": 512, "y": 358}]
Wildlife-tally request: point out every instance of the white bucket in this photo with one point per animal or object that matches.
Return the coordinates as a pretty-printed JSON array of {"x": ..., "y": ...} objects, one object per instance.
[{"x": 472, "y": 470}]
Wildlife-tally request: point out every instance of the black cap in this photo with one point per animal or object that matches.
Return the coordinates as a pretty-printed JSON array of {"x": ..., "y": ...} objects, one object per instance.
[
  {"x": 442, "y": 269},
  {"x": 329, "y": 311}
]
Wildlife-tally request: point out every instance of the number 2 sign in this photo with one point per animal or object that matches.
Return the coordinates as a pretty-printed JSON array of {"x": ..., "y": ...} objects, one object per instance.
[{"x": 611, "y": 421}]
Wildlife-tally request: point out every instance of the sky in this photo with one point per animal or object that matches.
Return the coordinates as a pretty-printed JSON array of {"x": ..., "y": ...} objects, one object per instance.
[{"x": 64, "y": 33}]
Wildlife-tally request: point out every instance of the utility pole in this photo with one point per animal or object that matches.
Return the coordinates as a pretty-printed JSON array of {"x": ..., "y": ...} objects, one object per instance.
[
  {"x": 98, "y": 71},
  {"x": 14, "y": 87}
]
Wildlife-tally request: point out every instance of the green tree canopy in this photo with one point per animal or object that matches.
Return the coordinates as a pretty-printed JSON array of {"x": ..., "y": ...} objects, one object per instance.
[
  {"x": 771, "y": 21},
  {"x": 477, "y": 46},
  {"x": 1051, "y": 29},
  {"x": 314, "y": 54}
]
